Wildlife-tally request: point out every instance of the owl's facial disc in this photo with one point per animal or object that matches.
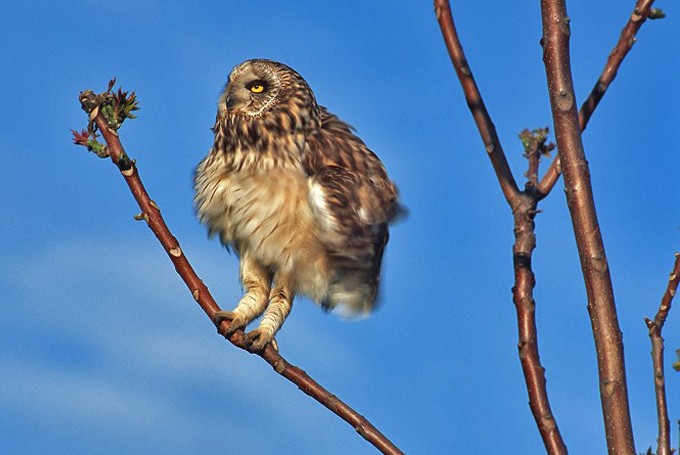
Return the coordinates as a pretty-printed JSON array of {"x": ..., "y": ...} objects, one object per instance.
[{"x": 249, "y": 91}]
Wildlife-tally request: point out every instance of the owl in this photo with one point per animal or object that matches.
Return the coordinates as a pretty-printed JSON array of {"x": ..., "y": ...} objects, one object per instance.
[{"x": 297, "y": 196}]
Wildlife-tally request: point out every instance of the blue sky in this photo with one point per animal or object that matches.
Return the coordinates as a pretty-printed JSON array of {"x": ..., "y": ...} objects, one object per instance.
[{"x": 102, "y": 349}]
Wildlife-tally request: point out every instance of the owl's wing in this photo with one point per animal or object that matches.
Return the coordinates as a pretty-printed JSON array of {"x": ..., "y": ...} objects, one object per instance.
[{"x": 353, "y": 201}]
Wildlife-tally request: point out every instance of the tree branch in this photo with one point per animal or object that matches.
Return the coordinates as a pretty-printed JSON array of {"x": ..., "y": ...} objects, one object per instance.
[
  {"x": 655, "y": 327},
  {"x": 524, "y": 209},
  {"x": 640, "y": 14},
  {"x": 522, "y": 296},
  {"x": 601, "y": 305},
  {"x": 107, "y": 112},
  {"x": 524, "y": 203},
  {"x": 485, "y": 125}
]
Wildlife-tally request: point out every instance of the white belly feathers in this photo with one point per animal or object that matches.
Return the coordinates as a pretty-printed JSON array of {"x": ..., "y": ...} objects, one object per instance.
[{"x": 266, "y": 214}]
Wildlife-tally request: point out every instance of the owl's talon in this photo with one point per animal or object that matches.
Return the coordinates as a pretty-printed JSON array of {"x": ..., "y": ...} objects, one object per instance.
[
  {"x": 257, "y": 340},
  {"x": 236, "y": 321},
  {"x": 221, "y": 316}
]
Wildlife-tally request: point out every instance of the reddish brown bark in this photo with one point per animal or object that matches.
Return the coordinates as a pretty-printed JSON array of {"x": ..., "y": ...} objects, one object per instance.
[
  {"x": 485, "y": 125},
  {"x": 601, "y": 305},
  {"x": 523, "y": 205},
  {"x": 614, "y": 61},
  {"x": 655, "y": 326}
]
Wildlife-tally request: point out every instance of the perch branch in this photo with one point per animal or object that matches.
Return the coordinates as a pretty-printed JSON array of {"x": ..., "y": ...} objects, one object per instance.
[
  {"x": 655, "y": 326},
  {"x": 601, "y": 305},
  {"x": 643, "y": 10},
  {"x": 524, "y": 209},
  {"x": 96, "y": 106}
]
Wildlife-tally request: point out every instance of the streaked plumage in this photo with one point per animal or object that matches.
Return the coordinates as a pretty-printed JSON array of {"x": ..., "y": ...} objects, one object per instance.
[{"x": 299, "y": 197}]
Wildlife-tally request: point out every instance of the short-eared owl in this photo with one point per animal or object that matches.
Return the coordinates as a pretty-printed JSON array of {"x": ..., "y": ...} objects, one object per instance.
[{"x": 297, "y": 195}]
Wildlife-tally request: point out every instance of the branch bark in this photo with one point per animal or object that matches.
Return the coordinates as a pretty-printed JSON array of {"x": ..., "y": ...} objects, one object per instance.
[
  {"x": 655, "y": 326},
  {"x": 601, "y": 305},
  {"x": 614, "y": 61},
  {"x": 524, "y": 203},
  {"x": 485, "y": 125},
  {"x": 522, "y": 296},
  {"x": 152, "y": 215},
  {"x": 524, "y": 209}
]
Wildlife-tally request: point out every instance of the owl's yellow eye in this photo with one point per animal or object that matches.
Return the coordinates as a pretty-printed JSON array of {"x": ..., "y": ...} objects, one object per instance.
[{"x": 256, "y": 86}]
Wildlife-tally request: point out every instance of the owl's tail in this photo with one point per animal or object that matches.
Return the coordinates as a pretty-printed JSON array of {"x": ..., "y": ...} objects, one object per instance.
[
  {"x": 352, "y": 295},
  {"x": 354, "y": 286}
]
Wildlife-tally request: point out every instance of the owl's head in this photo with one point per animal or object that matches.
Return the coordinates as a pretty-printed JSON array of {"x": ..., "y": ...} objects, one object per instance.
[{"x": 259, "y": 88}]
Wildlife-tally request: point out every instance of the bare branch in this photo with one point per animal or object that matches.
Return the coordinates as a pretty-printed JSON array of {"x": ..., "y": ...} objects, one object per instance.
[
  {"x": 523, "y": 205},
  {"x": 642, "y": 11},
  {"x": 601, "y": 305},
  {"x": 535, "y": 148},
  {"x": 655, "y": 327},
  {"x": 485, "y": 125},
  {"x": 522, "y": 296},
  {"x": 616, "y": 56},
  {"x": 107, "y": 111}
]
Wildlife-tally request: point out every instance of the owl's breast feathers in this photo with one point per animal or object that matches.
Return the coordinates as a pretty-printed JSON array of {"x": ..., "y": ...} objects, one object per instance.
[{"x": 307, "y": 196}]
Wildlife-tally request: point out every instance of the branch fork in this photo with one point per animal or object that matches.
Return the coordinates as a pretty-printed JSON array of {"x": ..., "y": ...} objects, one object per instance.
[{"x": 524, "y": 208}]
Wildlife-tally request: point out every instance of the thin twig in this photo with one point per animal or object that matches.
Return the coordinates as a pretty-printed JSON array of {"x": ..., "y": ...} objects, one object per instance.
[
  {"x": 601, "y": 305},
  {"x": 524, "y": 209},
  {"x": 655, "y": 326},
  {"x": 616, "y": 56},
  {"x": 152, "y": 215},
  {"x": 485, "y": 125}
]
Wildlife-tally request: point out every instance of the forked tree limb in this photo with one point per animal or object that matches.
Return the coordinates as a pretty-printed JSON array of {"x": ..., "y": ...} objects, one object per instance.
[
  {"x": 578, "y": 188},
  {"x": 524, "y": 203},
  {"x": 655, "y": 326},
  {"x": 522, "y": 296},
  {"x": 524, "y": 209},
  {"x": 151, "y": 214},
  {"x": 642, "y": 11}
]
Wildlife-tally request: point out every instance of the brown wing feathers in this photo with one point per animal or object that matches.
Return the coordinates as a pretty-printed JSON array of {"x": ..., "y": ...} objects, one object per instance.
[{"x": 359, "y": 200}]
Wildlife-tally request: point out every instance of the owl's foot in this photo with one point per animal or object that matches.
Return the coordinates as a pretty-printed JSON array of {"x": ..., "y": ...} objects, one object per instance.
[
  {"x": 258, "y": 339},
  {"x": 236, "y": 320}
]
